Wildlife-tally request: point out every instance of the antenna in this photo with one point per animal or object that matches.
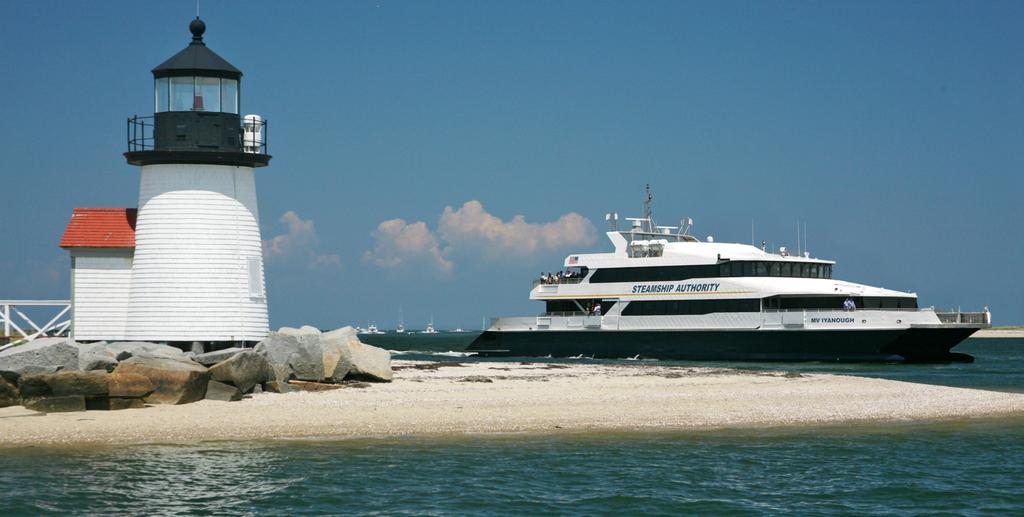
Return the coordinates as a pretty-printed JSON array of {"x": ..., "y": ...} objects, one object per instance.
[
  {"x": 798, "y": 249},
  {"x": 647, "y": 205},
  {"x": 805, "y": 235},
  {"x": 197, "y": 8},
  {"x": 751, "y": 232}
]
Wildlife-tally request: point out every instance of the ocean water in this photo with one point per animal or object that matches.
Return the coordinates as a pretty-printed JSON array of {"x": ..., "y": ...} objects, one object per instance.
[{"x": 953, "y": 467}]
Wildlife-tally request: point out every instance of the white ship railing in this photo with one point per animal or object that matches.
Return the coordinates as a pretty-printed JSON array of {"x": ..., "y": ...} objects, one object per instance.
[
  {"x": 978, "y": 318},
  {"x": 945, "y": 316},
  {"x": 24, "y": 328}
]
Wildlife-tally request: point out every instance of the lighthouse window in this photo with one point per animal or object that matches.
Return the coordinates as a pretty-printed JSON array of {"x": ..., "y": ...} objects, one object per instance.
[
  {"x": 229, "y": 95},
  {"x": 207, "y": 94},
  {"x": 182, "y": 92},
  {"x": 162, "y": 94}
]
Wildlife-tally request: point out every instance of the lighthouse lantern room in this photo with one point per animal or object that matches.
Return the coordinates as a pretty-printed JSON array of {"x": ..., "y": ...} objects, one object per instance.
[{"x": 197, "y": 269}]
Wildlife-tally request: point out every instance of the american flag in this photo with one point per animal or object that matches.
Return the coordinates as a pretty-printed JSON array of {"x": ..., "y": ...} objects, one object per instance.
[{"x": 573, "y": 259}]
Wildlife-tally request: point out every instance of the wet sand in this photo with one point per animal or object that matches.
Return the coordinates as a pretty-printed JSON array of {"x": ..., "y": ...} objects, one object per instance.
[{"x": 449, "y": 399}]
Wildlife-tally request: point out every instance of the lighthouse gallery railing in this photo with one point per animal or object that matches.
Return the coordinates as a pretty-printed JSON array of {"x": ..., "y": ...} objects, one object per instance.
[{"x": 140, "y": 135}]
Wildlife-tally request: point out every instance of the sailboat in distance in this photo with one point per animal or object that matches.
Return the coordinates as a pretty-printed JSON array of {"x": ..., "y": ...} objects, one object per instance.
[
  {"x": 430, "y": 326},
  {"x": 401, "y": 322}
]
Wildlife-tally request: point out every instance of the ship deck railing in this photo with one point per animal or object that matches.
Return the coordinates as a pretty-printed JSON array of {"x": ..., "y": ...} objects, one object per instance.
[
  {"x": 565, "y": 314},
  {"x": 572, "y": 280}
]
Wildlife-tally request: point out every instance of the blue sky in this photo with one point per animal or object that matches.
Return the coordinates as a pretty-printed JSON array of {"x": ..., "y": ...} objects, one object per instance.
[{"x": 895, "y": 130}]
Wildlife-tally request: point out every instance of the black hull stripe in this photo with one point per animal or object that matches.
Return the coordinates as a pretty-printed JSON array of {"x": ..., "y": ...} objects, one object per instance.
[{"x": 932, "y": 344}]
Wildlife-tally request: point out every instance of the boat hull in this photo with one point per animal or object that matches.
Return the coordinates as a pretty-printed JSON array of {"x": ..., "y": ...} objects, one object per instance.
[{"x": 931, "y": 344}]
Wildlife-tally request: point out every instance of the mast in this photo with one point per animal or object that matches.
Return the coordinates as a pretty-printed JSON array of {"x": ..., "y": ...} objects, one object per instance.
[{"x": 647, "y": 208}]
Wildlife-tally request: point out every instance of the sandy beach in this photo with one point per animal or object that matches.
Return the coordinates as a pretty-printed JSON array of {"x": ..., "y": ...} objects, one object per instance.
[{"x": 452, "y": 399}]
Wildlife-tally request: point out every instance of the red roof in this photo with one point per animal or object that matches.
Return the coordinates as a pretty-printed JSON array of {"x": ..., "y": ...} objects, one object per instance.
[{"x": 100, "y": 228}]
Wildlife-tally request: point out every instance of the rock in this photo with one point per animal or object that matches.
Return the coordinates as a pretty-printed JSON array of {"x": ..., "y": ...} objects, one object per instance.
[
  {"x": 8, "y": 394},
  {"x": 145, "y": 349},
  {"x": 10, "y": 377},
  {"x": 44, "y": 355},
  {"x": 243, "y": 370},
  {"x": 278, "y": 387},
  {"x": 313, "y": 386},
  {"x": 129, "y": 385},
  {"x": 369, "y": 363},
  {"x": 105, "y": 356},
  {"x": 87, "y": 384},
  {"x": 112, "y": 403},
  {"x": 117, "y": 404},
  {"x": 96, "y": 356},
  {"x": 257, "y": 389},
  {"x": 307, "y": 361},
  {"x": 307, "y": 355},
  {"x": 34, "y": 386},
  {"x": 305, "y": 330},
  {"x": 56, "y": 404},
  {"x": 276, "y": 348},
  {"x": 224, "y": 392},
  {"x": 476, "y": 378},
  {"x": 211, "y": 358},
  {"x": 293, "y": 354},
  {"x": 174, "y": 381},
  {"x": 337, "y": 353}
]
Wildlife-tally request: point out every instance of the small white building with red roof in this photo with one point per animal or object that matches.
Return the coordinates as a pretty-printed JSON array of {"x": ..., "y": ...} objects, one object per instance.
[{"x": 101, "y": 242}]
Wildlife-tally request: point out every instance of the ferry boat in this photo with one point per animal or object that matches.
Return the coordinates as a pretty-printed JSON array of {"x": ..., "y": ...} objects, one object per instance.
[
  {"x": 370, "y": 329},
  {"x": 662, "y": 293}
]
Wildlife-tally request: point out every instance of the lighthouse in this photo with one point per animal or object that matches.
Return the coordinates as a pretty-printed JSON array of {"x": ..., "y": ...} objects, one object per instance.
[{"x": 197, "y": 270}]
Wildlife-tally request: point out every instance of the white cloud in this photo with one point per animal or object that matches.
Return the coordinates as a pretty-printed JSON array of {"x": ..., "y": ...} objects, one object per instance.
[
  {"x": 471, "y": 230},
  {"x": 299, "y": 241},
  {"x": 471, "y": 226},
  {"x": 399, "y": 243}
]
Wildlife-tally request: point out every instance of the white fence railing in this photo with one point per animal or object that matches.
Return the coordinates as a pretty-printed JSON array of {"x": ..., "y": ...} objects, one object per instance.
[{"x": 20, "y": 328}]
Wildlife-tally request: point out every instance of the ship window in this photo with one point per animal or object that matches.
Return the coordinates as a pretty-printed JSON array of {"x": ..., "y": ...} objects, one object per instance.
[
  {"x": 776, "y": 269},
  {"x": 690, "y": 307},
  {"x": 786, "y": 269},
  {"x": 814, "y": 271},
  {"x": 836, "y": 302},
  {"x": 762, "y": 269},
  {"x": 725, "y": 269}
]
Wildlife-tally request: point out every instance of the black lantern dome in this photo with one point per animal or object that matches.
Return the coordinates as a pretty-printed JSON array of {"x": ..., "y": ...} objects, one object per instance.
[{"x": 196, "y": 117}]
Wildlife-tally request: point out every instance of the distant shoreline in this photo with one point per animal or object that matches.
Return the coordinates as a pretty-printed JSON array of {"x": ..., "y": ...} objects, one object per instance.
[
  {"x": 452, "y": 399},
  {"x": 1003, "y": 333}
]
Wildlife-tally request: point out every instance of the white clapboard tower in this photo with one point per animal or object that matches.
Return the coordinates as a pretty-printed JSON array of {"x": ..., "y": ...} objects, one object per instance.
[{"x": 197, "y": 273}]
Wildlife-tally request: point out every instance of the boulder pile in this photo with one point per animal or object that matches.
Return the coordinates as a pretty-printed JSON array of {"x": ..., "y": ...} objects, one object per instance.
[{"x": 56, "y": 374}]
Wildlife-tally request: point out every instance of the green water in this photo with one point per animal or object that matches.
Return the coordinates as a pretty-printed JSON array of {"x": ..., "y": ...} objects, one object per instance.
[{"x": 959, "y": 467}]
